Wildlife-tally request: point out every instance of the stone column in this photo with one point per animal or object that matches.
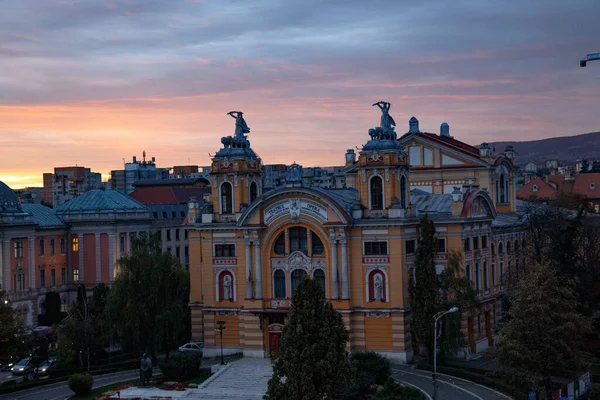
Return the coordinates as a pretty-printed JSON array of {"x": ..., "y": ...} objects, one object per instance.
[
  {"x": 31, "y": 261},
  {"x": 334, "y": 278},
  {"x": 345, "y": 288},
  {"x": 81, "y": 260},
  {"x": 112, "y": 255},
  {"x": 257, "y": 268},
  {"x": 248, "y": 269},
  {"x": 98, "y": 259}
]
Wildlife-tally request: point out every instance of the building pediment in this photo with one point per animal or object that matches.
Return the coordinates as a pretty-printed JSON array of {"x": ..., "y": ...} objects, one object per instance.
[
  {"x": 450, "y": 156},
  {"x": 296, "y": 203}
]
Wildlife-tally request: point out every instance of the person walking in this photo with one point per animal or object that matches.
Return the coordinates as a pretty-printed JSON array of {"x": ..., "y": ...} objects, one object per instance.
[{"x": 144, "y": 369}]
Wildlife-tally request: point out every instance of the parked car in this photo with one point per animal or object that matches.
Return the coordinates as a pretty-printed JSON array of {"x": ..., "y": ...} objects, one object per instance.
[
  {"x": 192, "y": 348},
  {"x": 22, "y": 367},
  {"x": 46, "y": 368}
]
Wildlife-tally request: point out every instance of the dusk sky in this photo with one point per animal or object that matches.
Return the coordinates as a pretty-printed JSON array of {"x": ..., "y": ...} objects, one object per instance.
[{"x": 92, "y": 82}]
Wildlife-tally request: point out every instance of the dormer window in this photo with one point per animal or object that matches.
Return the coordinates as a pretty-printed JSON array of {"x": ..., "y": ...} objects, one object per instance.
[
  {"x": 592, "y": 186},
  {"x": 535, "y": 188}
]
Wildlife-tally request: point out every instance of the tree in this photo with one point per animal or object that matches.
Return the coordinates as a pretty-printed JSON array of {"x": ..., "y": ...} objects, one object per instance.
[
  {"x": 11, "y": 327},
  {"x": 585, "y": 167},
  {"x": 52, "y": 306},
  {"x": 312, "y": 363},
  {"x": 432, "y": 292},
  {"x": 148, "y": 302},
  {"x": 544, "y": 335},
  {"x": 84, "y": 331}
]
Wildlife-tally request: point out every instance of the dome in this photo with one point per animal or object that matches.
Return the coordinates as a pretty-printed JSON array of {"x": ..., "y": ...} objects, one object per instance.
[{"x": 8, "y": 199}]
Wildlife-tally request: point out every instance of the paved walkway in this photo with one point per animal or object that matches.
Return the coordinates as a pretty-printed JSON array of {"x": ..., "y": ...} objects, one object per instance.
[{"x": 245, "y": 379}]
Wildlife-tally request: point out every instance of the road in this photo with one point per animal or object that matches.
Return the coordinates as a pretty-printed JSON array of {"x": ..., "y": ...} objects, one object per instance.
[
  {"x": 449, "y": 387},
  {"x": 8, "y": 376}
]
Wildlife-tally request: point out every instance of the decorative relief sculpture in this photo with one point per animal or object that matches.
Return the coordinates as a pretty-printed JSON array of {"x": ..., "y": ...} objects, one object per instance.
[
  {"x": 294, "y": 173},
  {"x": 227, "y": 286},
  {"x": 378, "y": 287}
]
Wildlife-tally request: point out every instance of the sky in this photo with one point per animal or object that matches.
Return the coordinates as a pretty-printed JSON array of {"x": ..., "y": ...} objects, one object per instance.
[{"x": 95, "y": 82}]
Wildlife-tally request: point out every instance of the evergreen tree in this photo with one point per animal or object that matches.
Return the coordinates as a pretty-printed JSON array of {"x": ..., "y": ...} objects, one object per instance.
[
  {"x": 52, "y": 306},
  {"x": 544, "y": 334},
  {"x": 148, "y": 302},
  {"x": 312, "y": 363},
  {"x": 432, "y": 292},
  {"x": 11, "y": 327}
]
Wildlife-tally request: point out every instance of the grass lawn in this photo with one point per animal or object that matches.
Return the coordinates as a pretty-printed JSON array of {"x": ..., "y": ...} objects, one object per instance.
[{"x": 204, "y": 375}]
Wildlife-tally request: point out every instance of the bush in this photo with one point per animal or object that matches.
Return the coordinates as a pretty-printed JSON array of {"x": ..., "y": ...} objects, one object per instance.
[
  {"x": 392, "y": 391},
  {"x": 81, "y": 384},
  {"x": 181, "y": 366},
  {"x": 370, "y": 369}
]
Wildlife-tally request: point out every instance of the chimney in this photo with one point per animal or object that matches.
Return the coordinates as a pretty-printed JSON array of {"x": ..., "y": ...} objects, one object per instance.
[
  {"x": 457, "y": 202},
  {"x": 192, "y": 210},
  {"x": 484, "y": 150},
  {"x": 510, "y": 152},
  {"x": 413, "y": 125},
  {"x": 134, "y": 159},
  {"x": 445, "y": 130},
  {"x": 350, "y": 157}
]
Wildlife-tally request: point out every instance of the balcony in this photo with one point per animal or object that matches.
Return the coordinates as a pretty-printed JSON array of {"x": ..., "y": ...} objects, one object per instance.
[
  {"x": 21, "y": 295},
  {"x": 225, "y": 261}
]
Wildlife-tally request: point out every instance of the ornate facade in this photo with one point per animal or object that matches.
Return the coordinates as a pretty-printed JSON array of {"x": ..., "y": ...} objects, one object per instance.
[{"x": 249, "y": 250}]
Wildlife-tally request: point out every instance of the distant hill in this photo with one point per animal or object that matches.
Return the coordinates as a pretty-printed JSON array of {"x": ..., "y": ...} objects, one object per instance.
[{"x": 565, "y": 148}]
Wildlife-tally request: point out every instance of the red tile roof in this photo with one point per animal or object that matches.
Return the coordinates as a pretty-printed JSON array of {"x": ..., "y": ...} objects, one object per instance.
[
  {"x": 168, "y": 195},
  {"x": 584, "y": 184}
]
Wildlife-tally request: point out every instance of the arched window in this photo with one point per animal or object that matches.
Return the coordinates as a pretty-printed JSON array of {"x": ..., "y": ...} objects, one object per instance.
[
  {"x": 493, "y": 249},
  {"x": 317, "y": 244},
  {"x": 502, "y": 190},
  {"x": 280, "y": 244},
  {"x": 279, "y": 284},
  {"x": 253, "y": 191},
  {"x": 226, "y": 198},
  {"x": 508, "y": 247},
  {"x": 298, "y": 239},
  {"x": 377, "y": 286},
  {"x": 403, "y": 191},
  {"x": 297, "y": 276},
  {"x": 500, "y": 248},
  {"x": 376, "y": 192},
  {"x": 226, "y": 286},
  {"x": 516, "y": 246},
  {"x": 319, "y": 276}
]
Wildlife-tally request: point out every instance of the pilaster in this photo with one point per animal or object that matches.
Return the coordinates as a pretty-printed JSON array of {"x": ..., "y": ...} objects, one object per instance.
[
  {"x": 112, "y": 255},
  {"x": 334, "y": 275},
  {"x": 81, "y": 259},
  {"x": 345, "y": 285},
  {"x": 257, "y": 266},
  {"x": 31, "y": 261},
  {"x": 98, "y": 259},
  {"x": 247, "y": 243}
]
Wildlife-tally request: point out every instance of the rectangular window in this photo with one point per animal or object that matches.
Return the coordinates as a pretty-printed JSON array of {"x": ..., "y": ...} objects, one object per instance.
[
  {"x": 186, "y": 253},
  {"x": 53, "y": 277},
  {"x": 42, "y": 278},
  {"x": 185, "y": 234},
  {"x": 376, "y": 248},
  {"x": 494, "y": 275},
  {"x": 42, "y": 247},
  {"x": 298, "y": 239},
  {"x": 477, "y": 275},
  {"x": 63, "y": 246},
  {"x": 224, "y": 250},
  {"x": 75, "y": 275},
  {"x": 410, "y": 246},
  {"x": 441, "y": 245},
  {"x": 414, "y": 155},
  {"x": 485, "y": 277},
  {"x": 75, "y": 244},
  {"x": 168, "y": 235},
  {"x": 479, "y": 324},
  {"x": 176, "y": 234},
  {"x": 484, "y": 242},
  {"x": 63, "y": 276},
  {"x": 468, "y": 272},
  {"x": 177, "y": 252},
  {"x": 494, "y": 313},
  {"x": 501, "y": 274},
  {"x": 467, "y": 244},
  {"x": 509, "y": 272},
  {"x": 51, "y": 246},
  {"x": 122, "y": 243},
  {"x": 18, "y": 249}
]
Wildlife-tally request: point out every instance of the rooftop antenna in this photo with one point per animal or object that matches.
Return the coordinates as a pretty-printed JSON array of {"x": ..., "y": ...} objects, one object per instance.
[{"x": 144, "y": 155}]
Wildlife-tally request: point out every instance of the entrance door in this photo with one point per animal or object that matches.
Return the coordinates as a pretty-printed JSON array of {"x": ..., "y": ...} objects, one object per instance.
[
  {"x": 488, "y": 328},
  {"x": 472, "y": 336},
  {"x": 274, "y": 343}
]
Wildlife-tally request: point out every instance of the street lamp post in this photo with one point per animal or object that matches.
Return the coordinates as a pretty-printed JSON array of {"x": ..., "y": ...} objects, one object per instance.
[
  {"x": 436, "y": 319},
  {"x": 221, "y": 329},
  {"x": 589, "y": 57}
]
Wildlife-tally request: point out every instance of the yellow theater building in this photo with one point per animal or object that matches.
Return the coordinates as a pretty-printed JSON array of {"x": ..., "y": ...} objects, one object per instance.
[{"x": 249, "y": 249}]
